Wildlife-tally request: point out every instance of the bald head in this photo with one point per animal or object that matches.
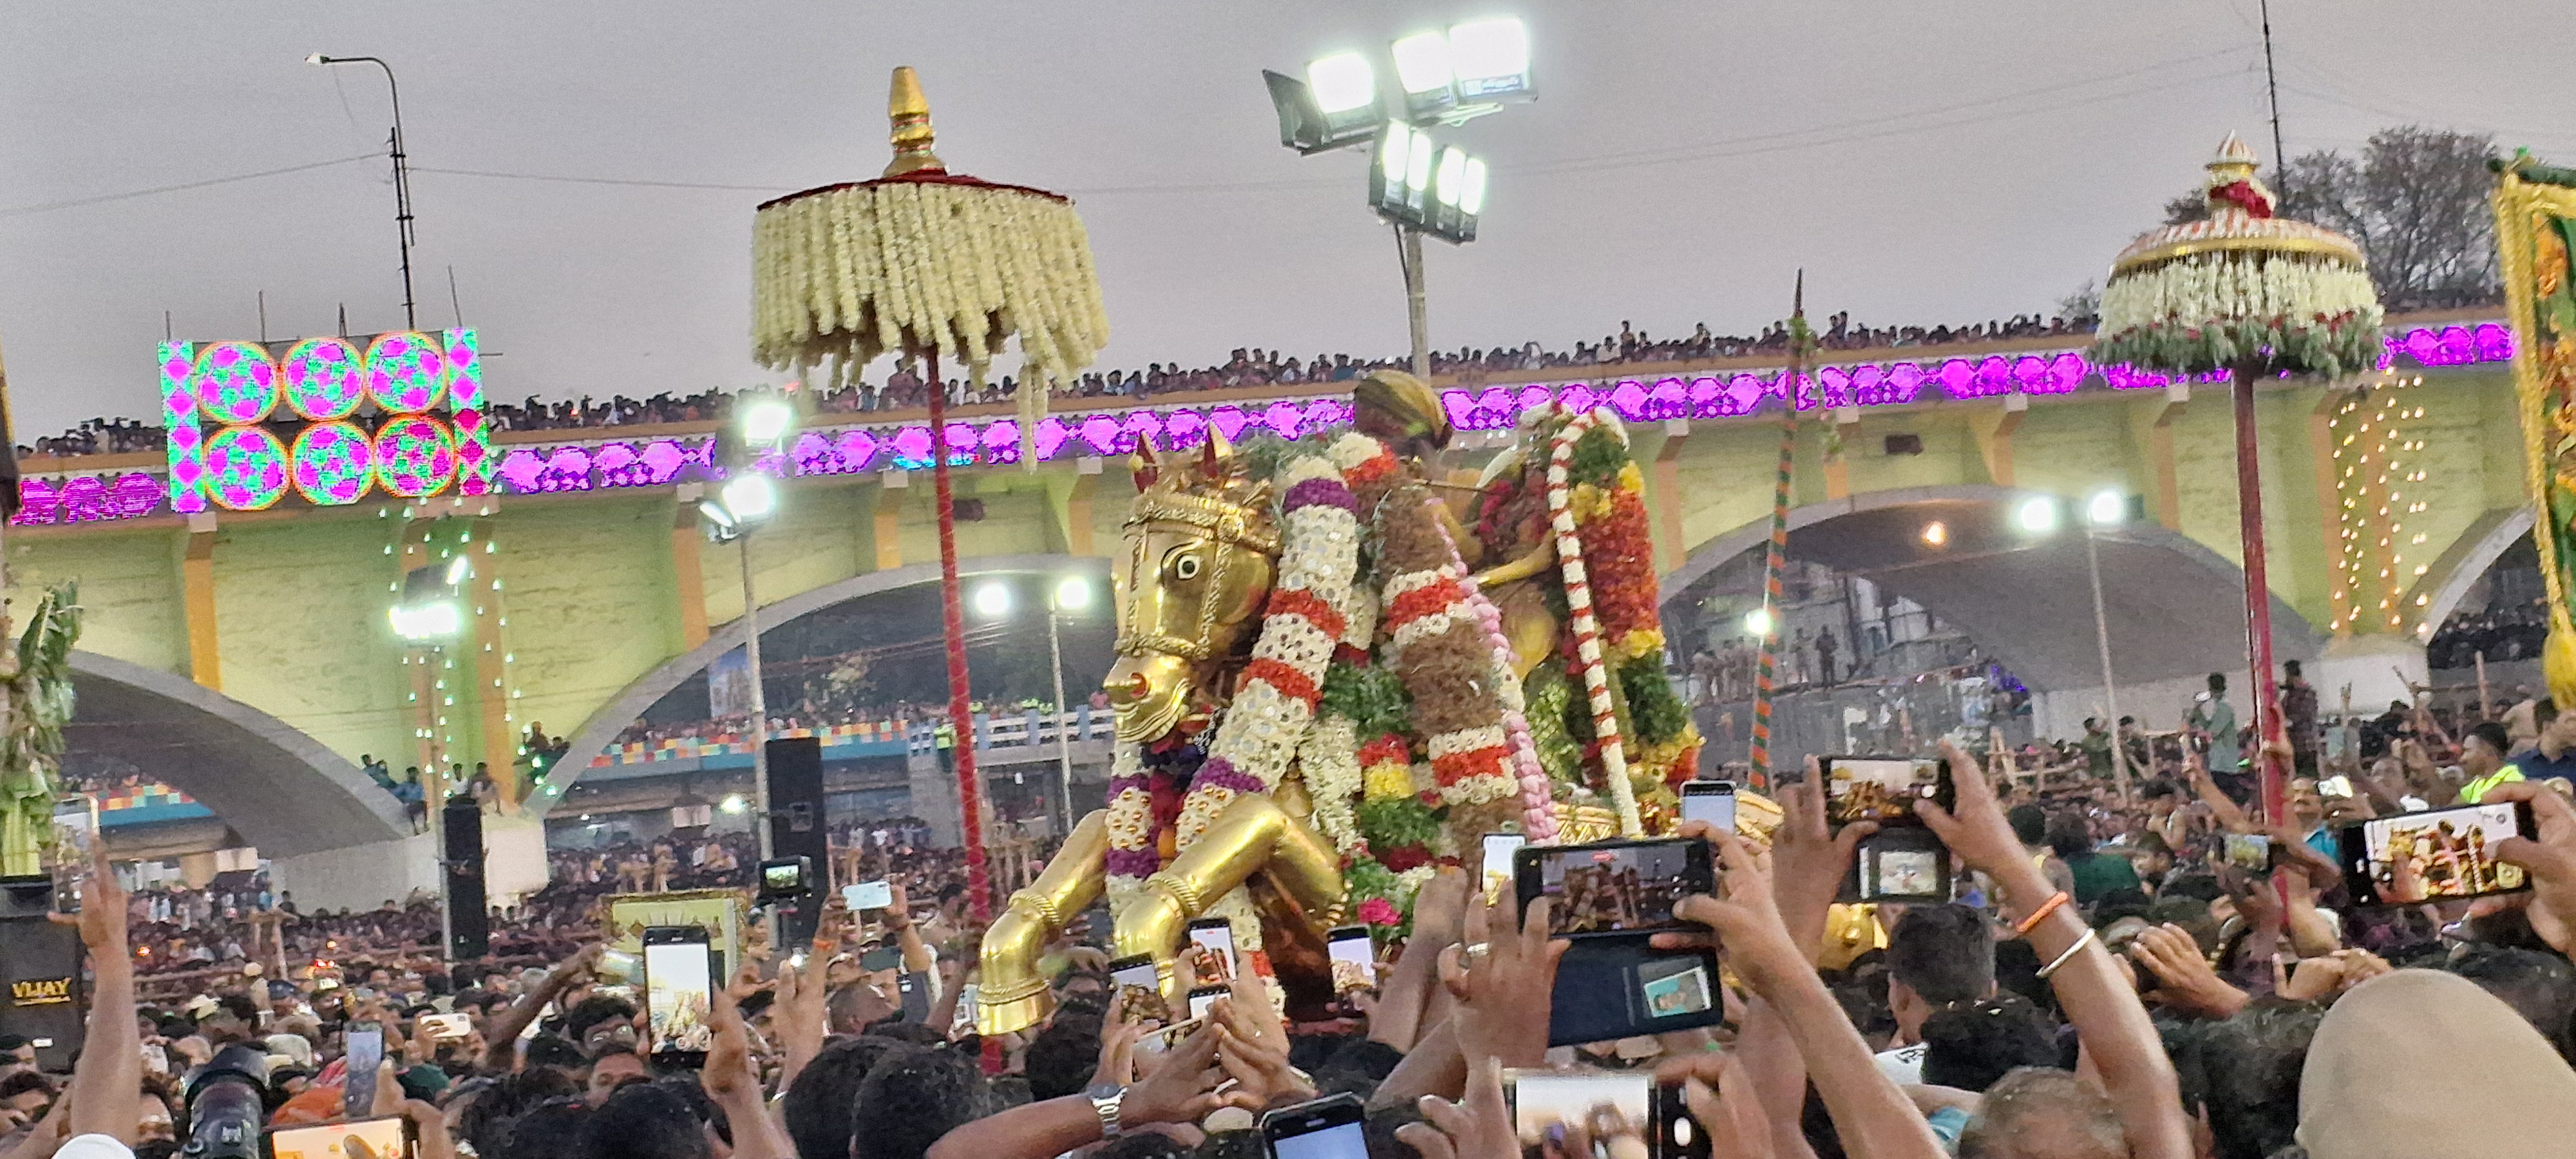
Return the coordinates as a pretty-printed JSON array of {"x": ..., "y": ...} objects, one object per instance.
[{"x": 2039, "y": 1113}]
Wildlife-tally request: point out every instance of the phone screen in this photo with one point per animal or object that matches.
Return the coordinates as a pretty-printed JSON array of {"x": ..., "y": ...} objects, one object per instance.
[
  {"x": 2440, "y": 854},
  {"x": 1140, "y": 989},
  {"x": 2251, "y": 852},
  {"x": 1499, "y": 848},
  {"x": 1613, "y": 887},
  {"x": 678, "y": 991},
  {"x": 365, "y": 1051},
  {"x": 1907, "y": 863},
  {"x": 1328, "y": 1128},
  {"x": 1710, "y": 801},
  {"x": 329, "y": 1141},
  {"x": 1542, "y": 1099},
  {"x": 868, "y": 895},
  {"x": 448, "y": 1025},
  {"x": 784, "y": 877},
  {"x": 1354, "y": 959},
  {"x": 1215, "y": 964},
  {"x": 1204, "y": 997},
  {"x": 1882, "y": 789}
]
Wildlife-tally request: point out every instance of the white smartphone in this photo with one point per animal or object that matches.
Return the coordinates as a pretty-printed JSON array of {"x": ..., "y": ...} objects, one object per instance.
[
  {"x": 1499, "y": 848},
  {"x": 868, "y": 895},
  {"x": 1710, "y": 801}
]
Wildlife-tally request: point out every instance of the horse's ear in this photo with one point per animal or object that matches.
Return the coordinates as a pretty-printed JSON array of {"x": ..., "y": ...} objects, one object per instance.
[
  {"x": 1146, "y": 471},
  {"x": 1216, "y": 450}
]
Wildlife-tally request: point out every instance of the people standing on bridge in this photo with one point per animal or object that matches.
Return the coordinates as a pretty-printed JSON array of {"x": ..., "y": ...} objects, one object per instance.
[
  {"x": 414, "y": 797},
  {"x": 1825, "y": 656}
]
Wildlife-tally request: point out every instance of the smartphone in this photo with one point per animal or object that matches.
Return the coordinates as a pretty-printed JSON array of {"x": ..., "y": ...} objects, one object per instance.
[
  {"x": 1215, "y": 962},
  {"x": 785, "y": 877},
  {"x": 679, "y": 991},
  {"x": 2441, "y": 854},
  {"x": 385, "y": 1137},
  {"x": 448, "y": 1026},
  {"x": 1354, "y": 958},
  {"x": 156, "y": 1058},
  {"x": 1499, "y": 848},
  {"x": 2335, "y": 786},
  {"x": 2251, "y": 852},
  {"x": 1327, "y": 1128},
  {"x": 1906, "y": 863},
  {"x": 1540, "y": 1099},
  {"x": 1710, "y": 801},
  {"x": 1883, "y": 789},
  {"x": 868, "y": 895},
  {"x": 1201, "y": 997},
  {"x": 1613, "y": 887},
  {"x": 1140, "y": 989},
  {"x": 364, "y": 1051}
]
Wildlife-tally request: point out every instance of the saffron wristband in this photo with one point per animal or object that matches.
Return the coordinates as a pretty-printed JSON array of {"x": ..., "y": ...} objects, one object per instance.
[{"x": 2041, "y": 914}]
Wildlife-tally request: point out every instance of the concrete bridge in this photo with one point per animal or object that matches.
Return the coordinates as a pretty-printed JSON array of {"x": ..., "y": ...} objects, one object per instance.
[{"x": 246, "y": 656}]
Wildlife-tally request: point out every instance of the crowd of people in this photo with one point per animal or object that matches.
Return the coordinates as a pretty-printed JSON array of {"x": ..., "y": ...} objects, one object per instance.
[
  {"x": 2110, "y": 978},
  {"x": 2513, "y": 633},
  {"x": 902, "y": 388}
]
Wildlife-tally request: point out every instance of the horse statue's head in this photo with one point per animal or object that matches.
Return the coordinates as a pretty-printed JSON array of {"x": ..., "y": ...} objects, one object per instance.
[{"x": 1201, "y": 551}]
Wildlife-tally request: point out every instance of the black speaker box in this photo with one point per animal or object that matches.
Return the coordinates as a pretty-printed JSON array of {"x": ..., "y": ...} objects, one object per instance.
[
  {"x": 796, "y": 826},
  {"x": 469, "y": 916},
  {"x": 41, "y": 963}
]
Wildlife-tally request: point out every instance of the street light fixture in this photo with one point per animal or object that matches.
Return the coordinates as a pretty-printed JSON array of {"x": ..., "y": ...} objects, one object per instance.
[
  {"x": 2036, "y": 516},
  {"x": 746, "y": 501},
  {"x": 767, "y": 420},
  {"x": 402, "y": 173},
  {"x": 1758, "y": 622},
  {"x": 1335, "y": 106},
  {"x": 2106, "y": 509},
  {"x": 993, "y": 600},
  {"x": 1072, "y": 596}
]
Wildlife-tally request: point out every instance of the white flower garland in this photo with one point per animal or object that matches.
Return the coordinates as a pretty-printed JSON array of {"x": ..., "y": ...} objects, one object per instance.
[
  {"x": 1329, "y": 760},
  {"x": 1587, "y": 626},
  {"x": 2215, "y": 289}
]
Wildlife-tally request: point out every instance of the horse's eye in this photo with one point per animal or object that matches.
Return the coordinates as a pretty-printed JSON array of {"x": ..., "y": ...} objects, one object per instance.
[{"x": 1185, "y": 567}]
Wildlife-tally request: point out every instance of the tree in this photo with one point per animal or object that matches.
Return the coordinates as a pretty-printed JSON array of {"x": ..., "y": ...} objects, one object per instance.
[
  {"x": 2415, "y": 200},
  {"x": 2084, "y": 305}
]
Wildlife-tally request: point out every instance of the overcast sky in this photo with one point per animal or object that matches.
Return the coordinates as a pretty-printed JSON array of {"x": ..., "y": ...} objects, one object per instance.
[{"x": 1938, "y": 161}]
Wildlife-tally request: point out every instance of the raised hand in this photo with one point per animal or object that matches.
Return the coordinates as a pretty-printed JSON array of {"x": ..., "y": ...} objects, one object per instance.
[
  {"x": 1504, "y": 986},
  {"x": 1808, "y": 859},
  {"x": 2184, "y": 981},
  {"x": 1183, "y": 1088},
  {"x": 2551, "y": 860},
  {"x": 1478, "y": 1126},
  {"x": 1973, "y": 826},
  {"x": 1746, "y": 916}
]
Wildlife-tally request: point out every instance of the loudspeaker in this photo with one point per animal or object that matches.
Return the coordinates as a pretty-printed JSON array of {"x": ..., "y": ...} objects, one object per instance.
[
  {"x": 796, "y": 827},
  {"x": 469, "y": 917},
  {"x": 41, "y": 962}
]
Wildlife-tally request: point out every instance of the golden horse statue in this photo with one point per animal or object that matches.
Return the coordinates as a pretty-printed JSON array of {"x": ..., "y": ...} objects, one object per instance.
[{"x": 1200, "y": 553}]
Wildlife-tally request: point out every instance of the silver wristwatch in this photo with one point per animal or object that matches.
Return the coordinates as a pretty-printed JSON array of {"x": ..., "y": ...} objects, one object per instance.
[{"x": 1105, "y": 1099}]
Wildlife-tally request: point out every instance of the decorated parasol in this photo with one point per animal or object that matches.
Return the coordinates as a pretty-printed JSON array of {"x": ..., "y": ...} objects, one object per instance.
[
  {"x": 929, "y": 264},
  {"x": 2253, "y": 295}
]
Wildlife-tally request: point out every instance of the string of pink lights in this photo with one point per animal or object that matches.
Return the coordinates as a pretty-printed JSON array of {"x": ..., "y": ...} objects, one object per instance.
[{"x": 413, "y": 453}]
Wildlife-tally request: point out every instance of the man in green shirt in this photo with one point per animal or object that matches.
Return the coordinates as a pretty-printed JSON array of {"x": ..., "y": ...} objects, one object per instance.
[{"x": 2097, "y": 749}]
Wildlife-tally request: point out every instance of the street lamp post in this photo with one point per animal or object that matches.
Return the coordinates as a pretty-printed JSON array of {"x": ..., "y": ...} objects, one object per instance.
[
  {"x": 1072, "y": 594},
  {"x": 744, "y": 503},
  {"x": 2106, "y": 510},
  {"x": 402, "y": 173}
]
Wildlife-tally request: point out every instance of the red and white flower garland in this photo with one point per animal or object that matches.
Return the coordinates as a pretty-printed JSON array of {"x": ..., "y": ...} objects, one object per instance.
[{"x": 1587, "y": 626}]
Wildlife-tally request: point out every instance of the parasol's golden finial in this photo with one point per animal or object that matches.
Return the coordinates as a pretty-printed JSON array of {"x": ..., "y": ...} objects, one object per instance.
[{"x": 909, "y": 113}]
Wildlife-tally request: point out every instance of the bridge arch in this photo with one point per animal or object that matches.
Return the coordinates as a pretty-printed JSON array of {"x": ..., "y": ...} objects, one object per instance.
[
  {"x": 2459, "y": 568},
  {"x": 2175, "y": 608},
  {"x": 604, "y": 725},
  {"x": 272, "y": 783}
]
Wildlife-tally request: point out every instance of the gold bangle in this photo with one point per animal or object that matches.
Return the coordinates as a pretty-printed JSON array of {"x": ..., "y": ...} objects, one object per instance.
[{"x": 2039, "y": 915}]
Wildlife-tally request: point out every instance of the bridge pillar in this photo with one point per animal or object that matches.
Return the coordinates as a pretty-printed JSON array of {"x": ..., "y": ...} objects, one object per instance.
[
  {"x": 688, "y": 574},
  {"x": 2379, "y": 669},
  {"x": 1662, "y": 451},
  {"x": 1994, "y": 432},
  {"x": 197, "y": 583},
  {"x": 934, "y": 797},
  {"x": 2155, "y": 423},
  {"x": 888, "y": 509}
]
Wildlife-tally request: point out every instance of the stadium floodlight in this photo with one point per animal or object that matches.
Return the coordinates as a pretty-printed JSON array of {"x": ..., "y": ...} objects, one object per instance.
[
  {"x": 993, "y": 600},
  {"x": 1422, "y": 67},
  {"x": 749, "y": 498},
  {"x": 1335, "y": 106},
  {"x": 1490, "y": 60},
  {"x": 767, "y": 420},
  {"x": 2107, "y": 509},
  {"x": 1471, "y": 194},
  {"x": 426, "y": 622},
  {"x": 1072, "y": 594},
  {"x": 2036, "y": 516}
]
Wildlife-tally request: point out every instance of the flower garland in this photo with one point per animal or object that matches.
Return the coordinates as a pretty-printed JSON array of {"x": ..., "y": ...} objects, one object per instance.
[
  {"x": 1329, "y": 761},
  {"x": 1131, "y": 824},
  {"x": 1436, "y": 644},
  {"x": 1587, "y": 627},
  {"x": 2212, "y": 311},
  {"x": 1608, "y": 498}
]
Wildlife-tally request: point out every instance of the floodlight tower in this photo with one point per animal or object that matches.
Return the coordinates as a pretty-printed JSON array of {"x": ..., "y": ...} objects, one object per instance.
[{"x": 1416, "y": 184}]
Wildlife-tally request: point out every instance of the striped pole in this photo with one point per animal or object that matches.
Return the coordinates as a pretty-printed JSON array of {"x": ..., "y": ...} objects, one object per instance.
[{"x": 1776, "y": 556}]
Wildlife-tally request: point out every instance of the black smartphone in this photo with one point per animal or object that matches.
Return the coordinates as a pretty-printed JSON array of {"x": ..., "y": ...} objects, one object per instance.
[
  {"x": 1215, "y": 963},
  {"x": 364, "y": 1051},
  {"x": 1710, "y": 801},
  {"x": 1202, "y": 997},
  {"x": 679, "y": 994},
  {"x": 1140, "y": 989},
  {"x": 1354, "y": 962},
  {"x": 2437, "y": 855},
  {"x": 1540, "y": 1099},
  {"x": 1326, "y": 1128},
  {"x": 785, "y": 877},
  {"x": 1903, "y": 861},
  {"x": 1613, "y": 887},
  {"x": 389, "y": 1138}
]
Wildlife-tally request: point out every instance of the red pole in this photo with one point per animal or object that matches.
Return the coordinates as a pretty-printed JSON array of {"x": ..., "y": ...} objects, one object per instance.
[
  {"x": 2258, "y": 594},
  {"x": 952, "y": 616}
]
